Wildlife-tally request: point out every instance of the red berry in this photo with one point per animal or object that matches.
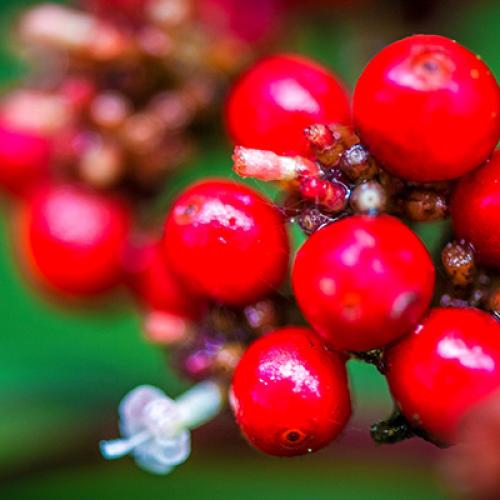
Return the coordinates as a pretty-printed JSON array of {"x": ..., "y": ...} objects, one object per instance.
[
  {"x": 155, "y": 285},
  {"x": 272, "y": 104},
  {"x": 226, "y": 241},
  {"x": 427, "y": 108},
  {"x": 447, "y": 365},
  {"x": 475, "y": 210},
  {"x": 290, "y": 394},
  {"x": 363, "y": 281},
  {"x": 249, "y": 21},
  {"x": 24, "y": 160},
  {"x": 74, "y": 239},
  {"x": 122, "y": 10}
]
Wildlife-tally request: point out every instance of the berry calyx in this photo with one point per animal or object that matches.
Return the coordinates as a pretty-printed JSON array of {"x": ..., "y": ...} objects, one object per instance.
[
  {"x": 24, "y": 159},
  {"x": 449, "y": 364},
  {"x": 475, "y": 211},
  {"x": 277, "y": 98},
  {"x": 226, "y": 241},
  {"x": 427, "y": 108},
  {"x": 363, "y": 282},
  {"x": 73, "y": 239},
  {"x": 290, "y": 393}
]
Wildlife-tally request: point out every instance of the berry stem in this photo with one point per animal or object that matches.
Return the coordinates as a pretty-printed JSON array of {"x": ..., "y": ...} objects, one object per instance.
[{"x": 200, "y": 404}]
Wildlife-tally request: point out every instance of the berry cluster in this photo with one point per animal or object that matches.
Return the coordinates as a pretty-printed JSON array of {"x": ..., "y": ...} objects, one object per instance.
[
  {"x": 117, "y": 93},
  {"x": 426, "y": 114},
  {"x": 416, "y": 144},
  {"x": 425, "y": 122}
]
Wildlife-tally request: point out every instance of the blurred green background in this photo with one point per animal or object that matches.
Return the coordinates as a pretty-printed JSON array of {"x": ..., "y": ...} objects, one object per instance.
[{"x": 63, "y": 370}]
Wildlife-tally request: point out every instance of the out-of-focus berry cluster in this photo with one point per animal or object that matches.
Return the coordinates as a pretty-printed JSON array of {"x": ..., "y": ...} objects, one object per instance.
[{"x": 117, "y": 90}]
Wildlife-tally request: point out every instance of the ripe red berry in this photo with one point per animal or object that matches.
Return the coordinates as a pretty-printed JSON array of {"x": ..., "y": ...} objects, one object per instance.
[
  {"x": 427, "y": 108},
  {"x": 155, "y": 285},
  {"x": 475, "y": 211},
  {"x": 74, "y": 239},
  {"x": 290, "y": 393},
  {"x": 24, "y": 160},
  {"x": 447, "y": 365},
  {"x": 226, "y": 241},
  {"x": 277, "y": 98},
  {"x": 363, "y": 281}
]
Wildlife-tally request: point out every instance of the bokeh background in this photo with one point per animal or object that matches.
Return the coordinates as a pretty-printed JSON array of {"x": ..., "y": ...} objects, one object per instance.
[{"x": 63, "y": 370}]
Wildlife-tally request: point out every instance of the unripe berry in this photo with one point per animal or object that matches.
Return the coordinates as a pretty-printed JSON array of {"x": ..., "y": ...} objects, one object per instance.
[
  {"x": 363, "y": 282},
  {"x": 427, "y": 108},
  {"x": 290, "y": 393},
  {"x": 277, "y": 98},
  {"x": 24, "y": 160},
  {"x": 74, "y": 239},
  {"x": 475, "y": 211},
  {"x": 444, "y": 368},
  {"x": 226, "y": 241}
]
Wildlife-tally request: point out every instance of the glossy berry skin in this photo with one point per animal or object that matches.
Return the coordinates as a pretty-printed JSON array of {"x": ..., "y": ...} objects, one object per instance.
[
  {"x": 363, "y": 282},
  {"x": 290, "y": 393},
  {"x": 24, "y": 160},
  {"x": 74, "y": 239},
  {"x": 427, "y": 108},
  {"x": 475, "y": 211},
  {"x": 226, "y": 241},
  {"x": 155, "y": 285},
  {"x": 277, "y": 98},
  {"x": 447, "y": 365}
]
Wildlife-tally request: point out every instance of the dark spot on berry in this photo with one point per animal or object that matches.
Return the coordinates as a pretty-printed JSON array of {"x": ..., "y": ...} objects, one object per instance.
[
  {"x": 430, "y": 66},
  {"x": 293, "y": 437}
]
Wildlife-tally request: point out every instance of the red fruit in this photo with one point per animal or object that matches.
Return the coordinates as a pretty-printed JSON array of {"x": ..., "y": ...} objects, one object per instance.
[
  {"x": 249, "y": 21},
  {"x": 475, "y": 211},
  {"x": 277, "y": 98},
  {"x": 226, "y": 241},
  {"x": 24, "y": 160},
  {"x": 450, "y": 363},
  {"x": 155, "y": 284},
  {"x": 363, "y": 282},
  {"x": 124, "y": 10},
  {"x": 74, "y": 239},
  {"x": 427, "y": 108},
  {"x": 290, "y": 394}
]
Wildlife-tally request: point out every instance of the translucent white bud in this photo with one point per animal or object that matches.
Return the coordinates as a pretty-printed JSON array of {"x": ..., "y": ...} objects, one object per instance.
[{"x": 155, "y": 428}]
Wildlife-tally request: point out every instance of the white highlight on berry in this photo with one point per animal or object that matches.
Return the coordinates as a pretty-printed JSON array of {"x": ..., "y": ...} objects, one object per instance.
[{"x": 156, "y": 428}]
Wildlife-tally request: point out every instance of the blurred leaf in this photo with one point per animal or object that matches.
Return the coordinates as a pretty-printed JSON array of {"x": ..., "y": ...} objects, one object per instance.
[{"x": 241, "y": 479}]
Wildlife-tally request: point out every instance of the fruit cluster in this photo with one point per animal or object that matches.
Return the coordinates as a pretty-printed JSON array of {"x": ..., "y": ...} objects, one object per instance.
[
  {"x": 416, "y": 145},
  {"x": 118, "y": 94},
  {"x": 425, "y": 123}
]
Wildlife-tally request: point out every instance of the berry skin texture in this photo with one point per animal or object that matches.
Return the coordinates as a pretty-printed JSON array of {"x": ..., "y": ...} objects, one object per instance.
[
  {"x": 290, "y": 394},
  {"x": 74, "y": 239},
  {"x": 450, "y": 363},
  {"x": 428, "y": 109},
  {"x": 156, "y": 286},
  {"x": 277, "y": 98},
  {"x": 227, "y": 242},
  {"x": 363, "y": 282},
  {"x": 475, "y": 211},
  {"x": 24, "y": 160}
]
